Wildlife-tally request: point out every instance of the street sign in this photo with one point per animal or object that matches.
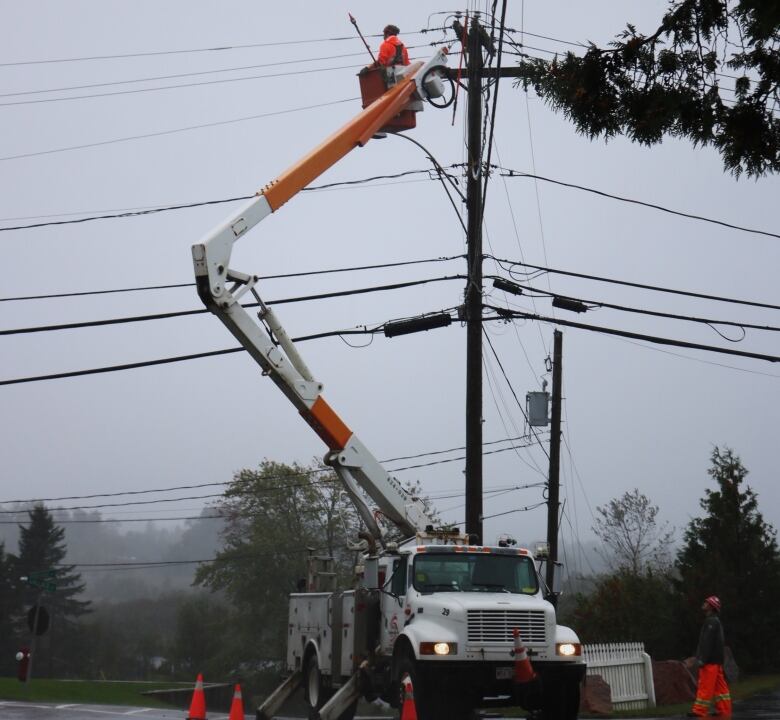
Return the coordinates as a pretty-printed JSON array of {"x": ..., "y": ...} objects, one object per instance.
[
  {"x": 42, "y": 574},
  {"x": 40, "y": 580}
]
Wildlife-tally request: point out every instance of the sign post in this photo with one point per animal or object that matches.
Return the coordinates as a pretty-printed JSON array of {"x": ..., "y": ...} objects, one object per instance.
[{"x": 38, "y": 619}]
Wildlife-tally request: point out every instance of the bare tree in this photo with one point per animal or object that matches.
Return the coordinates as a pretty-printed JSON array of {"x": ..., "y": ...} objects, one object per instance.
[{"x": 634, "y": 541}]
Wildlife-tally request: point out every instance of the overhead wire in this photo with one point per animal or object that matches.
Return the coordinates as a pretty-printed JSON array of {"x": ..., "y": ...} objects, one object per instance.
[
  {"x": 211, "y": 49},
  {"x": 202, "y": 311},
  {"x": 514, "y": 394},
  {"x": 642, "y": 286},
  {"x": 510, "y": 173},
  {"x": 277, "y": 276},
  {"x": 202, "y": 203},
  {"x": 595, "y": 304},
  {"x": 173, "y": 131},
  {"x": 187, "y": 74},
  {"x": 266, "y": 478},
  {"x": 504, "y": 315}
]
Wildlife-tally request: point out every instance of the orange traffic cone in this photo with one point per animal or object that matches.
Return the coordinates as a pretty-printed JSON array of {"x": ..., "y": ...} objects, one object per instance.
[
  {"x": 408, "y": 708},
  {"x": 523, "y": 671},
  {"x": 237, "y": 707},
  {"x": 198, "y": 704}
]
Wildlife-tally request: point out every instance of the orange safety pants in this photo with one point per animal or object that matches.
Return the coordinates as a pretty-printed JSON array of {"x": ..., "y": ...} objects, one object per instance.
[{"x": 712, "y": 688}]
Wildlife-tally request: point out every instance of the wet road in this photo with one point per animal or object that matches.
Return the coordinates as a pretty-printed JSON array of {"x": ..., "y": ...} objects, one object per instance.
[{"x": 760, "y": 707}]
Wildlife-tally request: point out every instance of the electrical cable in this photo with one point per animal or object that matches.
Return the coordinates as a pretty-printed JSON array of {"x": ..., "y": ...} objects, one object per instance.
[
  {"x": 188, "y": 74},
  {"x": 173, "y": 131},
  {"x": 202, "y": 311},
  {"x": 655, "y": 313},
  {"x": 185, "y": 206},
  {"x": 504, "y": 315},
  {"x": 517, "y": 173},
  {"x": 202, "y": 83},
  {"x": 641, "y": 286},
  {"x": 218, "y": 48},
  {"x": 307, "y": 273},
  {"x": 517, "y": 400},
  {"x": 302, "y": 473}
]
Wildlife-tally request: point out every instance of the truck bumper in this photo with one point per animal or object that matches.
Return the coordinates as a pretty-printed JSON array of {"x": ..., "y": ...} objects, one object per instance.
[{"x": 494, "y": 680}]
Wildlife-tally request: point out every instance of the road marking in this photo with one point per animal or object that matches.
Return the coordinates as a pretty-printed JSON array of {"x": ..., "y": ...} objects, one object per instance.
[
  {"x": 138, "y": 710},
  {"x": 64, "y": 707}
]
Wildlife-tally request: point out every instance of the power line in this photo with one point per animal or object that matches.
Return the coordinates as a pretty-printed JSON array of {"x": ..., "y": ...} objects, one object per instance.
[
  {"x": 187, "y": 74},
  {"x": 180, "y": 358},
  {"x": 186, "y": 206},
  {"x": 504, "y": 314},
  {"x": 186, "y": 313},
  {"x": 173, "y": 131},
  {"x": 641, "y": 286},
  {"x": 518, "y": 173},
  {"x": 163, "y": 563},
  {"x": 514, "y": 394},
  {"x": 655, "y": 313},
  {"x": 279, "y": 276},
  {"x": 218, "y": 48},
  {"x": 178, "y": 86},
  {"x": 313, "y": 471}
]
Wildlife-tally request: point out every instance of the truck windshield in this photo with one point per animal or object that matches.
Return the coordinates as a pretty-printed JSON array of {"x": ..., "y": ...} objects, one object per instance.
[{"x": 474, "y": 572}]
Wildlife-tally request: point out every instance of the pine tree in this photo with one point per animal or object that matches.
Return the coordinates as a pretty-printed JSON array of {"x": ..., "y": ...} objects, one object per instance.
[
  {"x": 9, "y": 608},
  {"x": 42, "y": 547},
  {"x": 733, "y": 553},
  {"x": 670, "y": 82}
]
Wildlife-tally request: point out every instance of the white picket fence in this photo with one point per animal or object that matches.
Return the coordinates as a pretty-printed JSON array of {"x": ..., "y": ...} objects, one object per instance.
[{"x": 628, "y": 670}]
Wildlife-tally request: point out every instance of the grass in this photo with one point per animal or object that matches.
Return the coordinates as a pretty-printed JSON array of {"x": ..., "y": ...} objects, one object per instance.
[{"x": 77, "y": 691}]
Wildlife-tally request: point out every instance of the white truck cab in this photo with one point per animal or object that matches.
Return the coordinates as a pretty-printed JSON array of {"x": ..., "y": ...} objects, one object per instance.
[{"x": 443, "y": 613}]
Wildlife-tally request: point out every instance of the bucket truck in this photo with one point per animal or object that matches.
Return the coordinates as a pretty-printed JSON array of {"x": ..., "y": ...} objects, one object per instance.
[{"x": 435, "y": 607}]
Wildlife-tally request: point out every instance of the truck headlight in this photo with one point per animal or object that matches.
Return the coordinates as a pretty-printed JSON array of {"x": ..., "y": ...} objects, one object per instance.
[
  {"x": 568, "y": 649},
  {"x": 438, "y": 648}
]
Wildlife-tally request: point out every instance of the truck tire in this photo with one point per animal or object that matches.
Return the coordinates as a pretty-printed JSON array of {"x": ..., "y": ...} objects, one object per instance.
[
  {"x": 313, "y": 689},
  {"x": 561, "y": 702},
  {"x": 431, "y": 703},
  {"x": 316, "y": 695},
  {"x": 408, "y": 666}
]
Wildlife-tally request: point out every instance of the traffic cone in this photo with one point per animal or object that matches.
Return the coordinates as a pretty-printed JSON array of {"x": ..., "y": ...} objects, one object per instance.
[
  {"x": 198, "y": 704},
  {"x": 408, "y": 708},
  {"x": 523, "y": 671},
  {"x": 237, "y": 706}
]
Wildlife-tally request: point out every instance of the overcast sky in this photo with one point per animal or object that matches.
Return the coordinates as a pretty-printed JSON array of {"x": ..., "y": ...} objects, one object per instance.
[{"x": 636, "y": 415}]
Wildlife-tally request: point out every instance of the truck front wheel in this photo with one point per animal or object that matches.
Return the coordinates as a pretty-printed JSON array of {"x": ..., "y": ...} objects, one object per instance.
[
  {"x": 561, "y": 701},
  {"x": 433, "y": 700}
]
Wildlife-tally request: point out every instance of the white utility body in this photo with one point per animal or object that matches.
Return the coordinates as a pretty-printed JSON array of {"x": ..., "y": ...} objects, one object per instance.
[{"x": 432, "y": 607}]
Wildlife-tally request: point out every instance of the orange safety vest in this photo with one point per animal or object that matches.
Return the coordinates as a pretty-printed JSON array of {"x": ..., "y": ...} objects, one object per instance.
[{"x": 392, "y": 52}]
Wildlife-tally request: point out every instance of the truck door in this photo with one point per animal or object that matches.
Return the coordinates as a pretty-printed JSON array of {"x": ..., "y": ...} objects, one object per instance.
[{"x": 393, "y": 603}]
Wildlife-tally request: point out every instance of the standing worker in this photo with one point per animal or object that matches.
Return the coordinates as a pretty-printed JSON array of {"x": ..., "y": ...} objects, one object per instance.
[
  {"x": 392, "y": 51},
  {"x": 711, "y": 686}
]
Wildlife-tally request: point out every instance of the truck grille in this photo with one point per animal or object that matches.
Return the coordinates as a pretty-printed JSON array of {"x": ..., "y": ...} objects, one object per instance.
[{"x": 496, "y": 626}]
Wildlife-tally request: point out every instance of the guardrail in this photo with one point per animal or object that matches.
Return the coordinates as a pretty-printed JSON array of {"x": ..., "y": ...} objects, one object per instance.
[{"x": 628, "y": 670}]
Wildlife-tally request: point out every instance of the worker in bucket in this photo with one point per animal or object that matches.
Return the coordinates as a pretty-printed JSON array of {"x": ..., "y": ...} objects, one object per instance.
[
  {"x": 392, "y": 51},
  {"x": 711, "y": 687}
]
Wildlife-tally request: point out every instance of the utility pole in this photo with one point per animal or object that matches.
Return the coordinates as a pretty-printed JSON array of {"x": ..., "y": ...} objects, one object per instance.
[
  {"x": 477, "y": 40},
  {"x": 555, "y": 460}
]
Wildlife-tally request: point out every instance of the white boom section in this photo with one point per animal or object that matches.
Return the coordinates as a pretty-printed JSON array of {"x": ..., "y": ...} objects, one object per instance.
[{"x": 222, "y": 288}]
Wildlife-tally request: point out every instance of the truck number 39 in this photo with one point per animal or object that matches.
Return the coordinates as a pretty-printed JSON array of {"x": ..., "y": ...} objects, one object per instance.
[{"x": 445, "y": 611}]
